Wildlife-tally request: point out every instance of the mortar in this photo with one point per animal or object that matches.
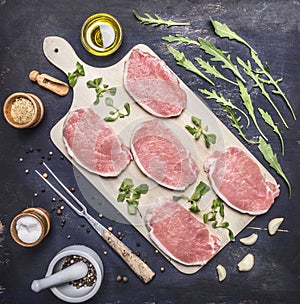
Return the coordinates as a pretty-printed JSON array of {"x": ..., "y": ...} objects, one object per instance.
[{"x": 66, "y": 291}]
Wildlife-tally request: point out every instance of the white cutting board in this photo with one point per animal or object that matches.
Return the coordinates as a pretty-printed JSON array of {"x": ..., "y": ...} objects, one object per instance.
[{"x": 60, "y": 53}]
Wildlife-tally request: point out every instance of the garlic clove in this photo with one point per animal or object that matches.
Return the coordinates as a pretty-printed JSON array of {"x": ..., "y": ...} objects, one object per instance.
[
  {"x": 221, "y": 272},
  {"x": 247, "y": 263},
  {"x": 274, "y": 225},
  {"x": 249, "y": 240}
]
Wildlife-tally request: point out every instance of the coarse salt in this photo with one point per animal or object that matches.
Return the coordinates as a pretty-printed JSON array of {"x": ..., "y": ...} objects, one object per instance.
[{"x": 29, "y": 229}]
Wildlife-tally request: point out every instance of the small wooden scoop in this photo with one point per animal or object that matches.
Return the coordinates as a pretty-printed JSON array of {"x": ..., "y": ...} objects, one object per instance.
[{"x": 50, "y": 83}]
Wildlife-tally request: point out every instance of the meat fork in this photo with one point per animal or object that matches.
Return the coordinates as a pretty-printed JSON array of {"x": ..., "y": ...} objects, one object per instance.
[{"x": 140, "y": 268}]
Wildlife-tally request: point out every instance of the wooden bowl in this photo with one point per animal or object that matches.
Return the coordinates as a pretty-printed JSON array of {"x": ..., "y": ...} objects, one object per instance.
[
  {"x": 41, "y": 215},
  {"x": 20, "y": 121}
]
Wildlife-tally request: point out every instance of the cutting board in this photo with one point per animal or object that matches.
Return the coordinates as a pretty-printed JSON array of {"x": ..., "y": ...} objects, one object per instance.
[{"x": 60, "y": 53}]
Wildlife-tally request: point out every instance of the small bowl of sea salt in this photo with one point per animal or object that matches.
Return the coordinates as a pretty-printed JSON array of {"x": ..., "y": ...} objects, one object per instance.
[{"x": 30, "y": 227}]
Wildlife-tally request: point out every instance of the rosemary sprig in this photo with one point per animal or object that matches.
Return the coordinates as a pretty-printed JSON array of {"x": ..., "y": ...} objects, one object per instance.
[
  {"x": 211, "y": 216},
  {"x": 268, "y": 119},
  {"x": 217, "y": 55},
  {"x": 157, "y": 20},
  {"x": 258, "y": 83},
  {"x": 247, "y": 101},
  {"x": 186, "y": 63},
  {"x": 223, "y": 101}
]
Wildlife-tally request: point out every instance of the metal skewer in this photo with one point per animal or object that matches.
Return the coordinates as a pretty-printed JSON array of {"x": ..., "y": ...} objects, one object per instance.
[{"x": 140, "y": 268}]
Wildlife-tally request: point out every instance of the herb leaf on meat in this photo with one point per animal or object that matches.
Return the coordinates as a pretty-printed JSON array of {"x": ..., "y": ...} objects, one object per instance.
[
  {"x": 258, "y": 83},
  {"x": 72, "y": 77},
  {"x": 211, "y": 216},
  {"x": 218, "y": 55},
  {"x": 186, "y": 63},
  {"x": 247, "y": 101},
  {"x": 271, "y": 158},
  {"x": 157, "y": 20},
  {"x": 197, "y": 131},
  {"x": 200, "y": 190},
  {"x": 131, "y": 194},
  {"x": 268, "y": 119},
  {"x": 223, "y": 31}
]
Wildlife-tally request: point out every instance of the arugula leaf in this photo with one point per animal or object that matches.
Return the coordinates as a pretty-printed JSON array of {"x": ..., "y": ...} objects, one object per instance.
[
  {"x": 187, "y": 64},
  {"x": 199, "y": 131},
  {"x": 72, "y": 77},
  {"x": 268, "y": 119},
  {"x": 271, "y": 81},
  {"x": 247, "y": 101},
  {"x": 223, "y": 101},
  {"x": 131, "y": 195},
  {"x": 223, "y": 31},
  {"x": 212, "y": 70},
  {"x": 271, "y": 158},
  {"x": 248, "y": 70},
  {"x": 211, "y": 216},
  {"x": 209, "y": 48},
  {"x": 157, "y": 20},
  {"x": 180, "y": 39},
  {"x": 236, "y": 124}
]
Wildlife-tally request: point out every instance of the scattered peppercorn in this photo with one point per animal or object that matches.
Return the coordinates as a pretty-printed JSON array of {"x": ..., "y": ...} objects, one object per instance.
[
  {"x": 162, "y": 269},
  {"x": 119, "y": 278},
  {"x": 26, "y": 171},
  {"x": 125, "y": 279},
  {"x": 45, "y": 175},
  {"x": 59, "y": 212},
  {"x": 110, "y": 229},
  {"x": 72, "y": 189}
]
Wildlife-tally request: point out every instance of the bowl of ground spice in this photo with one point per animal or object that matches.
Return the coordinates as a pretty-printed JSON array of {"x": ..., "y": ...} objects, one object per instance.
[{"x": 23, "y": 110}]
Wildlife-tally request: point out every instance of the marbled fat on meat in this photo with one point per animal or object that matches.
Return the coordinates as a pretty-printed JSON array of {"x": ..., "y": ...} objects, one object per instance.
[
  {"x": 93, "y": 144},
  {"x": 179, "y": 234},
  {"x": 153, "y": 85},
  {"x": 161, "y": 155},
  {"x": 238, "y": 181}
]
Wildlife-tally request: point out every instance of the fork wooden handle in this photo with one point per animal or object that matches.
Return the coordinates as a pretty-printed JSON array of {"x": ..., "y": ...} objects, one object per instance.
[{"x": 140, "y": 268}]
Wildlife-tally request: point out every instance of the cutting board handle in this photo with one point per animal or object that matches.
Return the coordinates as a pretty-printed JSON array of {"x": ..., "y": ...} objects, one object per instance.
[{"x": 60, "y": 53}]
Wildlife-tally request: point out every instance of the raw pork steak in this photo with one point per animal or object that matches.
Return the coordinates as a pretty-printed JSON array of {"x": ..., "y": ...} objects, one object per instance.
[
  {"x": 153, "y": 85},
  {"x": 161, "y": 155},
  {"x": 179, "y": 234},
  {"x": 237, "y": 179},
  {"x": 93, "y": 144}
]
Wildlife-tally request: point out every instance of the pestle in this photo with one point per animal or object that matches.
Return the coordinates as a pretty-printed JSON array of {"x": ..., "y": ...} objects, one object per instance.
[{"x": 71, "y": 273}]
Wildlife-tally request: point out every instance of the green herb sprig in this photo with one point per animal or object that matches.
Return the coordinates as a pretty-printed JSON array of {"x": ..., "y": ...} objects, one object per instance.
[
  {"x": 100, "y": 90},
  {"x": 116, "y": 112},
  {"x": 180, "y": 39},
  {"x": 248, "y": 70},
  {"x": 223, "y": 101},
  {"x": 200, "y": 190},
  {"x": 218, "y": 55},
  {"x": 157, "y": 20},
  {"x": 131, "y": 194},
  {"x": 218, "y": 208},
  {"x": 197, "y": 131},
  {"x": 271, "y": 158},
  {"x": 268, "y": 120},
  {"x": 72, "y": 77},
  {"x": 247, "y": 101},
  {"x": 187, "y": 64}
]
